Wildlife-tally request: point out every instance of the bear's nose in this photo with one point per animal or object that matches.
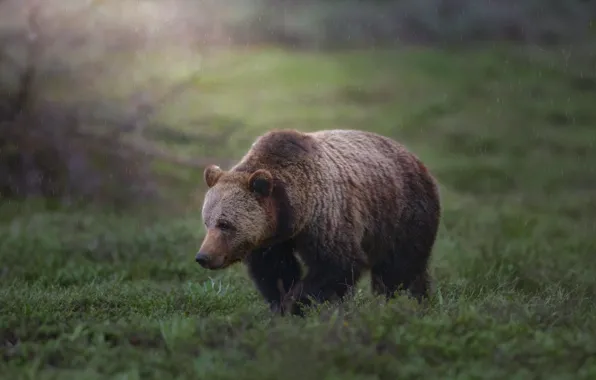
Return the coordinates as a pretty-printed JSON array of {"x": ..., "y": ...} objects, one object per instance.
[{"x": 202, "y": 259}]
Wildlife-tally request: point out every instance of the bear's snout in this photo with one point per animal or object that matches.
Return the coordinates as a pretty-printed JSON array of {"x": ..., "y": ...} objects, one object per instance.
[
  {"x": 209, "y": 261},
  {"x": 202, "y": 259},
  {"x": 211, "y": 254}
]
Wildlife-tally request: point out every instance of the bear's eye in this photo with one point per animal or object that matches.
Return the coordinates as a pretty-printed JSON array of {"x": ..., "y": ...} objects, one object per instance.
[{"x": 224, "y": 226}]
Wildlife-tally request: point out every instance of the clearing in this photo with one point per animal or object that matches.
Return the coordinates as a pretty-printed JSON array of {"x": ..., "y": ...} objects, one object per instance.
[{"x": 510, "y": 135}]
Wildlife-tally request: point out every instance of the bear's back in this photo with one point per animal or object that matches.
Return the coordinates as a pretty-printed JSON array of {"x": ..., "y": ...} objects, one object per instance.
[
  {"x": 362, "y": 151},
  {"x": 334, "y": 154}
]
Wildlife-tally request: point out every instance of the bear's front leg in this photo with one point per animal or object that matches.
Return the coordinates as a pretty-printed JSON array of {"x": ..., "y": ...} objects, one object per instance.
[
  {"x": 274, "y": 271},
  {"x": 328, "y": 282}
]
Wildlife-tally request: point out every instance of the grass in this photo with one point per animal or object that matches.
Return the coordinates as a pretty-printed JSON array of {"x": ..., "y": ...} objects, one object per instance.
[{"x": 88, "y": 294}]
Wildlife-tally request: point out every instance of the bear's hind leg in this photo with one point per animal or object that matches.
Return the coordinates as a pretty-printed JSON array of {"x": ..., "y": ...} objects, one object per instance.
[
  {"x": 404, "y": 264},
  {"x": 274, "y": 271},
  {"x": 386, "y": 281}
]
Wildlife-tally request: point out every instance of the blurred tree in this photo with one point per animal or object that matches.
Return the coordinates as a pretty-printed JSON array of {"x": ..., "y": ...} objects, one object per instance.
[{"x": 69, "y": 152}]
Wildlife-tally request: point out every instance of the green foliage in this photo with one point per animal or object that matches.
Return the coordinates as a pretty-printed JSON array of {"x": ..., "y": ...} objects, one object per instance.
[{"x": 86, "y": 294}]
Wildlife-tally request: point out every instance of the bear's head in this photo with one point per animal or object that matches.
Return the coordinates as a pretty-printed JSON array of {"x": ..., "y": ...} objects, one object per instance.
[{"x": 239, "y": 212}]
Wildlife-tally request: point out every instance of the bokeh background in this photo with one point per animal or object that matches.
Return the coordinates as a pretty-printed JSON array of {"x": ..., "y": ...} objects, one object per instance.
[{"x": 110, "y": 110}]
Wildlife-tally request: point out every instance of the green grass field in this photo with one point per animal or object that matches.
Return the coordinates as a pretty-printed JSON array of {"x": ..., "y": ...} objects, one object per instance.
[{"x": 509, "y": 134}]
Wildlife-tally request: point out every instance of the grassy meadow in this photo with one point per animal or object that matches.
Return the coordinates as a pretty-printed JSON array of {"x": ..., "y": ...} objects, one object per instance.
[{"x": 509, "y": 133}]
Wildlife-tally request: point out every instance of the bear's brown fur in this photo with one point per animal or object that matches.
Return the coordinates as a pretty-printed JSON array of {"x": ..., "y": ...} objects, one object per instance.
[{"x": 346, "y": 201}]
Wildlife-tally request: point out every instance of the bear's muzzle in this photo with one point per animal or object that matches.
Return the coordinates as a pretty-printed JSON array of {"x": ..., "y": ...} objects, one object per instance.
[{"x": 210, "y": 255}]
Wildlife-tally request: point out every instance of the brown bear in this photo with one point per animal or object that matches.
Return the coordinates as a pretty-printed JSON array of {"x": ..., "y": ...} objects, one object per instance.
[{"x": 345, "y": 201}]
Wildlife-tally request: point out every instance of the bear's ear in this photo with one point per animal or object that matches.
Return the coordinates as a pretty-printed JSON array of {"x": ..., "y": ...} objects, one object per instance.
[
  {"x": 261, "y": 182},
  {"x": 212, "y": 174}
]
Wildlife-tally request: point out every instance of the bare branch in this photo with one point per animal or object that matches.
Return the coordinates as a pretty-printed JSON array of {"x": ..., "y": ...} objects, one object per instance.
[
  {"x": 25, "y": 92},
  {"x": 6, "y": 39}
]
